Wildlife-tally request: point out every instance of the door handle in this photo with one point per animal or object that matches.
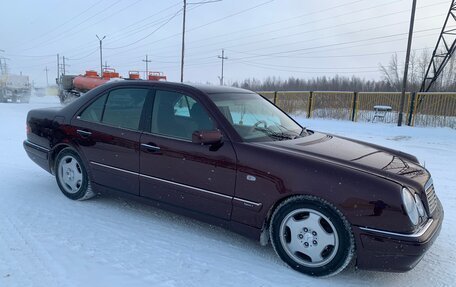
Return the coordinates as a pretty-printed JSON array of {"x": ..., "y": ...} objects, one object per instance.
[
  {"x": 150, "y": 147},
  {"x": 83, "y": 133}
]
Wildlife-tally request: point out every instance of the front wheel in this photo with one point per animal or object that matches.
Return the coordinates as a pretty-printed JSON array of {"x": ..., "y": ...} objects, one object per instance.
[
  {"x": 312, "y": 236},
  {"x": 71, "y": 175}
]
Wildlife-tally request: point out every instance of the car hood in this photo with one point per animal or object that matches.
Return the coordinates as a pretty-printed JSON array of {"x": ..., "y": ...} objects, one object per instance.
[{"x": 385, "y": 162}]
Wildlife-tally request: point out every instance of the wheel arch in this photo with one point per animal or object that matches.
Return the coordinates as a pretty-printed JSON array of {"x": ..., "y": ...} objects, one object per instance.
[{"x": 55, "y": 152}]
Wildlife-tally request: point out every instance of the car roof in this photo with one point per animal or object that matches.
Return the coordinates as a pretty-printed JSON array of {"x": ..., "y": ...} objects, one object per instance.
[{"x": 208, "y": 89}]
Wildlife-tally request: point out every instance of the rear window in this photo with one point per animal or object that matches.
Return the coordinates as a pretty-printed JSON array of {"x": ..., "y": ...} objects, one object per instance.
[
  {"x": 124, "y": 107},
  {"x": 94, "y": 112},
  {"x": 121, "y": 108}
]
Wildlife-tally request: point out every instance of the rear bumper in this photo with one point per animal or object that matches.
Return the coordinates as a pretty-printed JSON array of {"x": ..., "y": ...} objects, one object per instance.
[
  {"x": 388, "y": 251},
  {"x": 39, "y": 154}
]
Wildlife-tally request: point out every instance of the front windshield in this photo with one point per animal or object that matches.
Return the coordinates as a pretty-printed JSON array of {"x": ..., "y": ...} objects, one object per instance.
[{"x": 255, "y": 118}]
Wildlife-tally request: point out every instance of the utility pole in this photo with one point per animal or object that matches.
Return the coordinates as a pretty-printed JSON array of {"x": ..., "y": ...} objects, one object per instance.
[
  {"x": 47, "y": 79},
  {"x": 223, "y": 59},
  {"x": 407, "y": 59},
  {"x": 147, "y": 66},
  {"x": 184, "y": 10},
  {"x": 183, "y": 42},
  {"x": 63, "y": 65},
  {"x": 58, "y": 70},
  {"x": 101, "y": 54}
]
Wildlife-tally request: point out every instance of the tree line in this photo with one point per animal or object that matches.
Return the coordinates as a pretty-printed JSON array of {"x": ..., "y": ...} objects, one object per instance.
[{"x": 391, "y": 81}]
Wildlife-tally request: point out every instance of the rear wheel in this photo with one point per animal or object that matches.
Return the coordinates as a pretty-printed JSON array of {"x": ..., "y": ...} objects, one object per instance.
[
  {"x": 312, "y": 236},
  {"x": 71, "y": 175}
]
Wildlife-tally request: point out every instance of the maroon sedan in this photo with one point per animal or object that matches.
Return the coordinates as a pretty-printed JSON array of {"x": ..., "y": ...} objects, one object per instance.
[{"x": 230, "y": 157}]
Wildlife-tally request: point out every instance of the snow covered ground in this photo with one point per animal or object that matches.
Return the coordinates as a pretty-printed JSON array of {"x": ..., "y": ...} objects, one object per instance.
[{"x": 48, "y": 240}]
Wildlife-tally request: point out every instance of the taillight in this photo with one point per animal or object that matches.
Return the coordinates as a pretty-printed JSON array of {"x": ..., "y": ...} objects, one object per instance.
[{"x": 28, "y": 130}]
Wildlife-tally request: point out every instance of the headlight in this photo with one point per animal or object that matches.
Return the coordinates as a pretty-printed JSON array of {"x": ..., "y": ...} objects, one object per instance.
[
  {"x": 410, "y": 206},
  {"x": 413, "y": 206},
  {"x": 419, "y": 206}
]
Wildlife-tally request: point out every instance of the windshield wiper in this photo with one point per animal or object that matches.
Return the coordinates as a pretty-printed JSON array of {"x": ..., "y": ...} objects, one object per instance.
[{"x": 277, "y": 135}]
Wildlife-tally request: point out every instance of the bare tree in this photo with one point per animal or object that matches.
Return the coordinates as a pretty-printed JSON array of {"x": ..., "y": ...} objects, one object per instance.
[{"x": 391, "y": 73}]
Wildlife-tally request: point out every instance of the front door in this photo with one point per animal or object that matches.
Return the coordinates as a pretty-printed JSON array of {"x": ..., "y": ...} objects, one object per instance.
[
  {"x": 175, "y": 170},
  {"x": 108, "y": 134}
]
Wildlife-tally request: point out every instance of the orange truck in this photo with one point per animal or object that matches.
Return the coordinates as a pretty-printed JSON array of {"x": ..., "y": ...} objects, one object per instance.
[{"x": 72, "y": 86}]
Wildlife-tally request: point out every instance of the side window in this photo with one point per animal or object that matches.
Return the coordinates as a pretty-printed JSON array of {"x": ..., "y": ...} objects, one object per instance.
[
  {"x": 183, "y": 106},
  {"x": 178, "y": 115},
  {"x": 124, "y": 107},
  {"x": 94, "y": 112}
]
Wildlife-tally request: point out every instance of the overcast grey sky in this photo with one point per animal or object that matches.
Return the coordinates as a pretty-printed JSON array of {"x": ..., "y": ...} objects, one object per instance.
[{"x": 300, "y": 38}]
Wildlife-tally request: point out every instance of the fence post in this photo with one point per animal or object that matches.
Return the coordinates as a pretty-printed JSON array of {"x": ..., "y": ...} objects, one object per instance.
[
  {"x": 355, "y": 100},
  {"x": 309, "y": 106},
  {"x": 275, "y": 98},
  {"x": 411, "y": 109}
]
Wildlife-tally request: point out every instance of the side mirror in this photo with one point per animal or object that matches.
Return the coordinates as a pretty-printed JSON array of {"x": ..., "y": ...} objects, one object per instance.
[{"x": 207, "y": 137}]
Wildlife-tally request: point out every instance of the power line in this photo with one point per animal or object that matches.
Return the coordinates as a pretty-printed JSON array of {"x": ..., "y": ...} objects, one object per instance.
[
  {"x": 158, "y": 13},
  {"x": 309, "y": 72},
  {"x": 333, "y": 44},
  {"x": 66, "y": 33},
  {"x": 86, "y": 56},
  {"x": 230, "y": 15},
  {"x": 148, "y": 35},
  {"x": 255, "y": 27},
  {"x": 281, "y": 36},
  {"x": 142, "y": 28},
  {"x": 198, "y": 27},
  {"x": 315, "y": 30},
  {"x": 325, "y": 37},
  {"x": 337, "y": 49},
  {"x": 64, "y": 23},
  {"x": 300, "y": 16}
]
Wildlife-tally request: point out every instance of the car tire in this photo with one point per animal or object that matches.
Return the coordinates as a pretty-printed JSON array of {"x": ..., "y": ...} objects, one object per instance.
[
  {"x": 71, "y": 175},
  {"x": 312, "y": 236}
]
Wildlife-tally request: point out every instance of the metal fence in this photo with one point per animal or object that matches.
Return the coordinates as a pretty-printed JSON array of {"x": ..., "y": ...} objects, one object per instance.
[{"x": 420, "y": 109}]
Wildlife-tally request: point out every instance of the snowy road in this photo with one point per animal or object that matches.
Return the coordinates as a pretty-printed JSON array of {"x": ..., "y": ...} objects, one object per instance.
[{"x": 48, "y": 240}]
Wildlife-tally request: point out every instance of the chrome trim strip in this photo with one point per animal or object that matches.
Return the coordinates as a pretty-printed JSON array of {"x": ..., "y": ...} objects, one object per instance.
[
  {"x": 148, "y": 146},
  {"x": 114, "y": 168},
  {"x": 36, "y": 146},
  {"x": 166, "y": 136},
  {"x": 186, "y": 186},
  {"x": 256, "y": 204},
  {"x": 247, "y": 201},
  {"x": 417, "y": 234},
  {"x": 83, "y": 132}
]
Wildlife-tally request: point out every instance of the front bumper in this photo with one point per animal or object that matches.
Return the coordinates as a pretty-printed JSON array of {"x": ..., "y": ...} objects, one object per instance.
[
  {"x": 395, "y": 252},
  {"x": 37, "y": 153}
]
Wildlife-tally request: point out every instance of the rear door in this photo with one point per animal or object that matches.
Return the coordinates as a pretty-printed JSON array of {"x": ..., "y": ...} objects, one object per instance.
[
  {"x": 108, "y": 134},
  {"x": 175, "y": 170}
]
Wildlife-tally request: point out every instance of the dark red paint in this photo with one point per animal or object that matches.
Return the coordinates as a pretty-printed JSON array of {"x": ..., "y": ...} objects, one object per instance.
[{"x": 362, "y": 180}]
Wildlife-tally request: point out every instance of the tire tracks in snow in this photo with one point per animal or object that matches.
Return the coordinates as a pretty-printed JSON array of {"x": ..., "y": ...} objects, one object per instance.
[{"x": 23, "y": 247}]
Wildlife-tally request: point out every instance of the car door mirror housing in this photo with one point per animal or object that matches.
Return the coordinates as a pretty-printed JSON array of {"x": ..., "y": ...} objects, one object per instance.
[{"x": 207, "y": 137}]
